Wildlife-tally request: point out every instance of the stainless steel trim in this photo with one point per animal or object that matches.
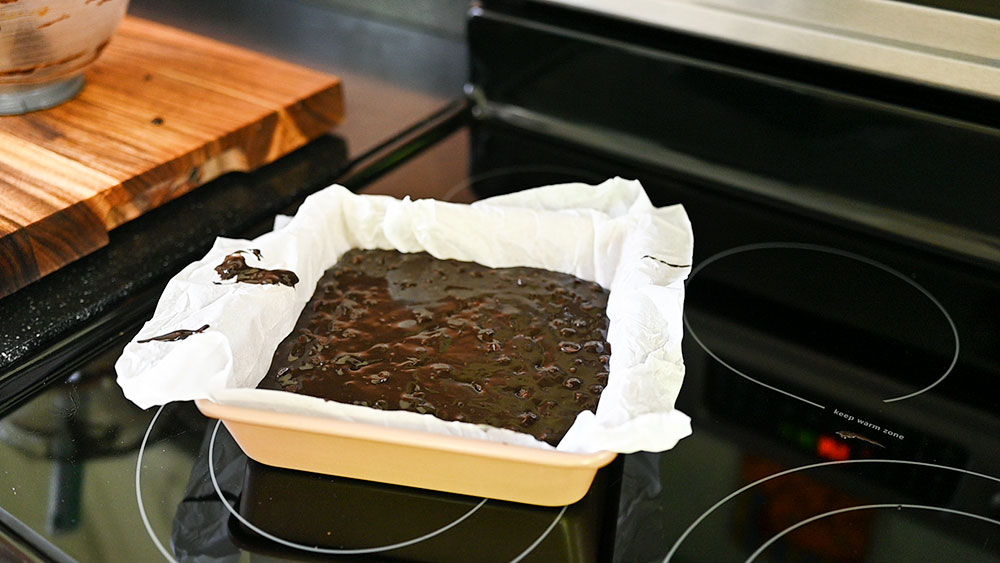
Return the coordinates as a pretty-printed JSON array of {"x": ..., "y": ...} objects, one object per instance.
[{"x": 917, "y": 43}]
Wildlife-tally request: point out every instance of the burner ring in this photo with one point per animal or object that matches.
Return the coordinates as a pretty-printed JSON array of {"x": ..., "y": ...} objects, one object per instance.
[
  {"x": 737, "y": 492},
  {"x": 753, "y": 556},
  {"x": 836, "y": 252},
  {"x": 218, "y": 491},
  {"x": 138, "y": 489},
  {"x": 325, "y": 551},
  {"x": 578, "y": 175}
]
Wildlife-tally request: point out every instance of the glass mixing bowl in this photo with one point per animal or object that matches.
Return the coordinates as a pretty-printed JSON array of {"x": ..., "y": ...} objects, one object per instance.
[{"x": 45, "y": 46}]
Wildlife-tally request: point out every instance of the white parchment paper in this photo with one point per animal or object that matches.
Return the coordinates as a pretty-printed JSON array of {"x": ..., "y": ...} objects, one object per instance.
[{"x": 609, "y": 233}]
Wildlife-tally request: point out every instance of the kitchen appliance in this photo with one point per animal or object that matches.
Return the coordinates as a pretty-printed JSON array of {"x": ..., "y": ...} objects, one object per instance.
[{"x": 841, "y": 316}]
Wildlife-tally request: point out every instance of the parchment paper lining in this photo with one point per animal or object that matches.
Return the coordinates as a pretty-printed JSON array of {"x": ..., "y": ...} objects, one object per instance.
[{"x": 609, "y": 233}]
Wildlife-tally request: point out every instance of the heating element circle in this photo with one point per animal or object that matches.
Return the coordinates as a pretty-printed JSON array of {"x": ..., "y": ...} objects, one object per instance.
[
  {"x": 850, "y": 462},
  {"x": 314, "y": 549},
  {"x": 835, "y": 252}
]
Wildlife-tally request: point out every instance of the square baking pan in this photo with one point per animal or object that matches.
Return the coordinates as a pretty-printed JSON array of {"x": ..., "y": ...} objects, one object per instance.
[{"x": 410, "y": 457}]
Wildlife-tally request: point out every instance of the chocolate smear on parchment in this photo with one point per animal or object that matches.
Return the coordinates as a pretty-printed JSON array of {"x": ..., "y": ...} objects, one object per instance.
[
  {"x": 235, "y": 266},
  {"x": 175, "y": 335}
]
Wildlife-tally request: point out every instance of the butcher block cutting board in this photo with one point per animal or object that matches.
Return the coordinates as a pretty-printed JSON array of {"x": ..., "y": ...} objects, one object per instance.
[{"x": 163, "y": 112}]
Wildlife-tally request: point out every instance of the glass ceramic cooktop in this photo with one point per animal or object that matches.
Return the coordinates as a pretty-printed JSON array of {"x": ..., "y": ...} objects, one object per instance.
[{"x": 839, "y": 387}]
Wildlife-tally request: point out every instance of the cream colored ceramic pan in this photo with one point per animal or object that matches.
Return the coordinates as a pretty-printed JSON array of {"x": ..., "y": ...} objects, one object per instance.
[{"x": 409, "y": 457}]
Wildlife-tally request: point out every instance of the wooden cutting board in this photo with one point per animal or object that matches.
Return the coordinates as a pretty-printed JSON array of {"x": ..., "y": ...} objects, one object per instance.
[{"x": 163, "y": 112}]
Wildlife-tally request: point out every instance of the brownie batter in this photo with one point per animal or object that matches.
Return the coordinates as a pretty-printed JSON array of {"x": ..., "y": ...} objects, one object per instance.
[{"x": 518, "y": 348}]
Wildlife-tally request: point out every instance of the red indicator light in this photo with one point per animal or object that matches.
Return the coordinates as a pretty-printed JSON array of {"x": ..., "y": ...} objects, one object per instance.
[{"x": 831, "y": 448}]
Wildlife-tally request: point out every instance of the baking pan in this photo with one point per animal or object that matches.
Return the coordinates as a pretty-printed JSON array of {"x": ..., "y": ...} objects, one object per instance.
[{"x": 410, "y": 457}]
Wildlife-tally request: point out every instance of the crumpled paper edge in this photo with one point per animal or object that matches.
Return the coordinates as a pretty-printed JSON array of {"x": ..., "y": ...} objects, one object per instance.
[{"x": 641, "y": 253}]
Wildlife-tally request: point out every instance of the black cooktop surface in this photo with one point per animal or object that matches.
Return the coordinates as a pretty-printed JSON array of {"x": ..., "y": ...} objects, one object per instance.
[{"x": 840, "y": 386}]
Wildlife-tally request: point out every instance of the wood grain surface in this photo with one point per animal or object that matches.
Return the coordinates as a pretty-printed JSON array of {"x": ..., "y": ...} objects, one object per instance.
[{"x": 163, "y": 111}]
